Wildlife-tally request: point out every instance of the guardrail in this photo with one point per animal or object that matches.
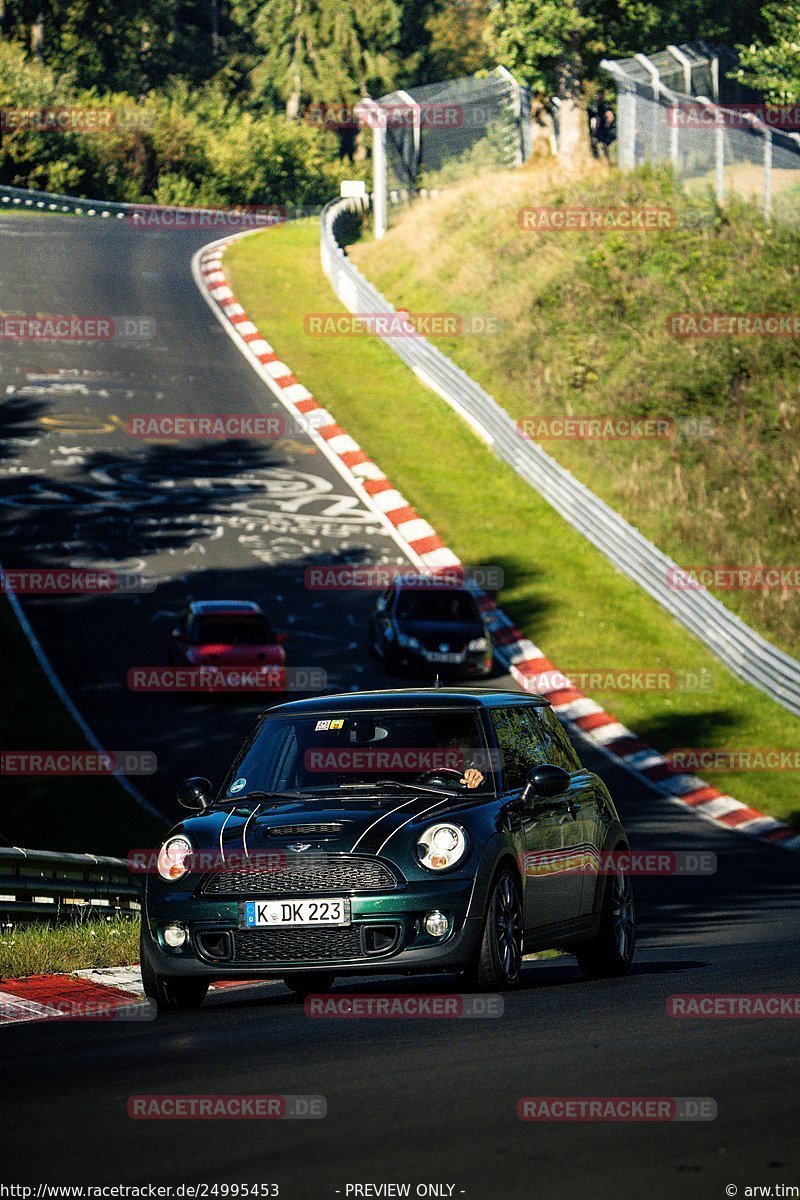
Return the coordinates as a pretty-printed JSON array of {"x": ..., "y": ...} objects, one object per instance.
[
  {"x": 744, "y": 651},
  {"x": 42, "y": 884},
  {"x": 13, "y": 197}
]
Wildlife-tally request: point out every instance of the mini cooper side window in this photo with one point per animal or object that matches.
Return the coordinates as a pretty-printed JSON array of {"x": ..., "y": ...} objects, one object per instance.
[
  {"x": 570, "y": 762},
  {"x": 516, "y": 745},
  {"x": 551, "y": 743}
]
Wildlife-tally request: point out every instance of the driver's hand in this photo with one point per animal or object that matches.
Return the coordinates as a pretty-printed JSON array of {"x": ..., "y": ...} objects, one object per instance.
[{"x": 472, "y": 778}]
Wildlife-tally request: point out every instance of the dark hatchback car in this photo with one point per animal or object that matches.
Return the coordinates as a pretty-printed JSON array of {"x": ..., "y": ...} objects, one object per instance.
[
  {"x": 400, "y": 831},
  {"x": 426, "y": 628}
]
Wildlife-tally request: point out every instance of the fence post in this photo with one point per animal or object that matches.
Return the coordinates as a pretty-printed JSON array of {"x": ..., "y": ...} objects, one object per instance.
[
  {"x": 369, "y": 112},
  {"x": 516, "y": 91},
  {"x": 686, "y": 63},
  {"x": 626, "y": 115},
  {"x": 767, "y": 173},
  {"x": 413, "y": 167}
]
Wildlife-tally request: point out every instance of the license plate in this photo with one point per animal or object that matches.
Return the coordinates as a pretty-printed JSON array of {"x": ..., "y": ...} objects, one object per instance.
[
  {"x": 295, "y": 912},
  {"x": 448, "y": 658}
]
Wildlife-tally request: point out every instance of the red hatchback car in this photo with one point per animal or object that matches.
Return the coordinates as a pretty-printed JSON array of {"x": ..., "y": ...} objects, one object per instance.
[{"x": 228, "y": 634}]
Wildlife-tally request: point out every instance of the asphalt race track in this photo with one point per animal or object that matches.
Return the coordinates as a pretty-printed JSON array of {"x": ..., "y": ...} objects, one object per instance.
[{"x": 408, "y": 1101}]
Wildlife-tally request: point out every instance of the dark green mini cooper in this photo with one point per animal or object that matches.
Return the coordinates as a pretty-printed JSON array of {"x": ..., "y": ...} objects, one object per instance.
[{"x": 399, "y": 831}]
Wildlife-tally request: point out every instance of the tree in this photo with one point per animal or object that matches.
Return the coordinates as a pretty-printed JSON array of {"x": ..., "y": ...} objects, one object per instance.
[
  {"x": 456, "y": 46},
  {"x": 555, "y": 46},
  {"x": 772, "y": 66},
  {"x": 321, "y": 51}
]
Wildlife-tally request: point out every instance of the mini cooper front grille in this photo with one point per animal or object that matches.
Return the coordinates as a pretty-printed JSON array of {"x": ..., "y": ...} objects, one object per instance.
[
  {"x": 329, "y": 829},
  {"x": 296, "y": 945},
  {"x": 313, "y": 874}
]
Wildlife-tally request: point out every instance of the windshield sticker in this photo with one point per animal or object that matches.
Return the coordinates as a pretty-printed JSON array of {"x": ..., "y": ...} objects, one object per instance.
[
  {"x": 337, "y": 724},
  {"x": 322, "y": 725},
  {"x": 237, "y": 785}
]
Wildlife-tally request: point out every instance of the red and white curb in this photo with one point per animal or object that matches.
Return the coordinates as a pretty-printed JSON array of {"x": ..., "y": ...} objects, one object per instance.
[
  {"x": 106, "y": 994},
  {"x": 528, "y": 664}
]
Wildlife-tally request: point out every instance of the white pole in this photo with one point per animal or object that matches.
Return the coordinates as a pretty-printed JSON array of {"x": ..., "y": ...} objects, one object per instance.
[
  {"x": 371, "y": 113},
  {"x": 686, "y": 63},
  {"x": 519, "y": 148},
  {"x": 380, "y": 180},
  {"x": 417, "y": 130}
]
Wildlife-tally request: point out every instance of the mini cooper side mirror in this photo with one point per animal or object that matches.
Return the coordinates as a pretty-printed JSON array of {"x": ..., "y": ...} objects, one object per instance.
[
  {"x": 545, "y": 780},
  {"x": 195, "y": 793}
]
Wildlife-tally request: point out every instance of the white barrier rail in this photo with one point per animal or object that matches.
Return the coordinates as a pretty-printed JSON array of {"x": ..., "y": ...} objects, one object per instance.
[
  {"x": 43, "y": 884},
  {"x": 750, "y": 656}
]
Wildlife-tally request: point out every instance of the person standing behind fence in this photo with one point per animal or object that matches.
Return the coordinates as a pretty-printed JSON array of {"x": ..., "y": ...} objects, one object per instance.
[{"x": 603, "y": 127}]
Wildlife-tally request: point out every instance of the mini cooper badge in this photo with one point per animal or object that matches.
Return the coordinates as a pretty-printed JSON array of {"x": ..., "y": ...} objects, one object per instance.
[
  {"x": 298, "y": 846},
  {"x": 443, "y": 647}
]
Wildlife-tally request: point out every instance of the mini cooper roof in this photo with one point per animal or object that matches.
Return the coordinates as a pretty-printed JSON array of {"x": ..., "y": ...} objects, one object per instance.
[{"x": 409, "y": 697}]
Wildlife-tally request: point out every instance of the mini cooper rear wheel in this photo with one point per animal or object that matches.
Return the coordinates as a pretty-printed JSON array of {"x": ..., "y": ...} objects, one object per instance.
[
  {"x": 498, "y": 963},
  {"x": 170, "y": 993},
  {"x": 307, "y": 983},
  {"x": 611, "y": 952}
]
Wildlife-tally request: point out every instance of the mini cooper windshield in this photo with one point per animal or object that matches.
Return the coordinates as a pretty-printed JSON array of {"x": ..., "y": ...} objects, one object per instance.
[{"x": 445, "y": 750}]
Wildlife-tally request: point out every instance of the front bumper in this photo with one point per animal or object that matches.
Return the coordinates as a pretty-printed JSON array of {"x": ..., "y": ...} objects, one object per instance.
[{"x": 385, "y": 935}]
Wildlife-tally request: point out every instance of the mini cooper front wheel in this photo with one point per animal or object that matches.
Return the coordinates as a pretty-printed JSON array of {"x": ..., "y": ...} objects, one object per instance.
[
  {"x": 611, "y": 952},
  {"x": 498, "y": 962},
  {"x": 170, "y": 993},
  {"x": 307, "y": 983}
]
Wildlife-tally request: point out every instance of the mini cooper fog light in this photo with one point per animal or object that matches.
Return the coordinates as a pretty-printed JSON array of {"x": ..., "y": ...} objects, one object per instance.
[
  {"x": 441, "y": 846},
  {"x": 436, "y": 924},
  {"x": 175, "y": 936}
]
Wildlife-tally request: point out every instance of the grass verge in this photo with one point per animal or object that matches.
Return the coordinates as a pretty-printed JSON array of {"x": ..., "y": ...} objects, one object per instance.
[
  {"x": 47, "y": 949},
  {"x": 582, "y": 330},
  {"x": 558, "y": 588},
  {"x": 92, "y": 814}
]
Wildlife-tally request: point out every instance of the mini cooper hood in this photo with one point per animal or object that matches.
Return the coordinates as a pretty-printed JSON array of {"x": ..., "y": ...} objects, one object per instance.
[{"x": 338, "y": 826}]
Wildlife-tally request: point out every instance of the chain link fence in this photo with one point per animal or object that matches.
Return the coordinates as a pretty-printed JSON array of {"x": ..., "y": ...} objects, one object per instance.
[
  {"x": 440, "y": 132},
  {"x": 681, "y": 107}
]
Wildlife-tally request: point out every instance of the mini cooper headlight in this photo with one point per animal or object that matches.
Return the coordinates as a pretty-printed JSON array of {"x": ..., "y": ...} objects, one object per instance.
[
  {"x": 441, "y": 846},
  {"x": 172, "y": 859},
  {"x": 408, "y": 642},
  {"x": 478, "y": 644}
]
